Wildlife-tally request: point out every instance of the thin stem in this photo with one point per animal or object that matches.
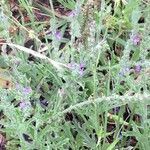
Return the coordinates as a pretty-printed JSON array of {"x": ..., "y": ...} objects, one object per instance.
[
  {"x": 57, "y": 65},
  {"x": 122, "y": 99}
]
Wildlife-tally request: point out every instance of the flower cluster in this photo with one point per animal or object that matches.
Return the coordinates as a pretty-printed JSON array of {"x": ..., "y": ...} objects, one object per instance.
[
  {"x": 136, "y": 39},
  {"x": 73, "y": 13},
  {"x": 24, "y": 105},
  {"x": 27, "y": 90},
  {"x": 137, "y": 68},
  {"x": 24, "y": 90}
]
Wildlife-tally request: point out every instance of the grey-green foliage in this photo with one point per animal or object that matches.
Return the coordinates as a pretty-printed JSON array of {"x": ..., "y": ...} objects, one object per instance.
[
  {"x": 4, "y": 24},
  {"x": 70, "y": 110}
]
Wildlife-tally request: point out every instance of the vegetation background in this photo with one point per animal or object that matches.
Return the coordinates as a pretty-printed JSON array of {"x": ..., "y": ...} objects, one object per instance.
[{"x": 74, "y": 74}]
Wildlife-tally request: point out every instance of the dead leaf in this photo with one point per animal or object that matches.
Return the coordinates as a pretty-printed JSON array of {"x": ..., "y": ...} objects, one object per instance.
[
  {"x": 5, "y": 80},
  {"x": 5, "y": 83}
]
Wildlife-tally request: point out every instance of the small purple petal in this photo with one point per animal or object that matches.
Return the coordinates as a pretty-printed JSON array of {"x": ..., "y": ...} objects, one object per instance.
[
  {"x": 73, "y": 13},
  {"x": 137, "y": 68},
  {"x": 81, "y": 72},
  {"x": 82, "y": 65},
  {"x": 79, "y": 68},
  {"x": 27, "y": 90},
  {"x": 58, "y": 35},
  {"x": 136, "y": 39},
  {"x": 24, "y": 105},
  {"x": 69, "y": 65}
]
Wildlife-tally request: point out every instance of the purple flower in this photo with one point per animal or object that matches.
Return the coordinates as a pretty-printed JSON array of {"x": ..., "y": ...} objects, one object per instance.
[
  {"x": 58, "y": 35},
  {"x": 82, "y": 65},
  {"x": 79, "y": 68},
  {"x": 27, "y": 90},
  {"x": 24, "y": 105},
  {"x": 136, "y": 39},
  {"x": 81, "y": 72},
  {"x": 137, "y": 68},
  {"x": 72, "y": 13}
]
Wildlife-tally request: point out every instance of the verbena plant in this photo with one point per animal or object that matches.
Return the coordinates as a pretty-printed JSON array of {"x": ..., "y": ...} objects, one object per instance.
[{"x": 76, "y": 96}]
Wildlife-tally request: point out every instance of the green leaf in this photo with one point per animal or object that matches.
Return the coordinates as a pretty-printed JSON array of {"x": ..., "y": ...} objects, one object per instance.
[
  {"x": 112, "y": 145},
  {"x": 136, "y": 55}
]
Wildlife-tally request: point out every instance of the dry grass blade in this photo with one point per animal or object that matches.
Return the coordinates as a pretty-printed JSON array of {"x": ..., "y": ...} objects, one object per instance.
[
  {"x": 57, "y": 65},
  {"x": 122, "y": 99}
]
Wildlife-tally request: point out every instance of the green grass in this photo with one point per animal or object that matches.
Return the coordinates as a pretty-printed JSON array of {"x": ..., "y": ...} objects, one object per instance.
[{"x": 74, "y": 95}]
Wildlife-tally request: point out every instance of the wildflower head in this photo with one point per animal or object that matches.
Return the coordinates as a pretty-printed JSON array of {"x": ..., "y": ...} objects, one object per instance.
[
  {"x": 27, "y": 90},
  {"x": 137, "y": 68},
  {"x": 78, "y": 68},
  {"x": 73, "y": 13},
  {"x": 24, "y": 90},
  {"x": 136, "y": 39},
  {"x": 24, "y": 105},
  {"x": 81, "y": 68},
  {"x": 58, "y": 35}
]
